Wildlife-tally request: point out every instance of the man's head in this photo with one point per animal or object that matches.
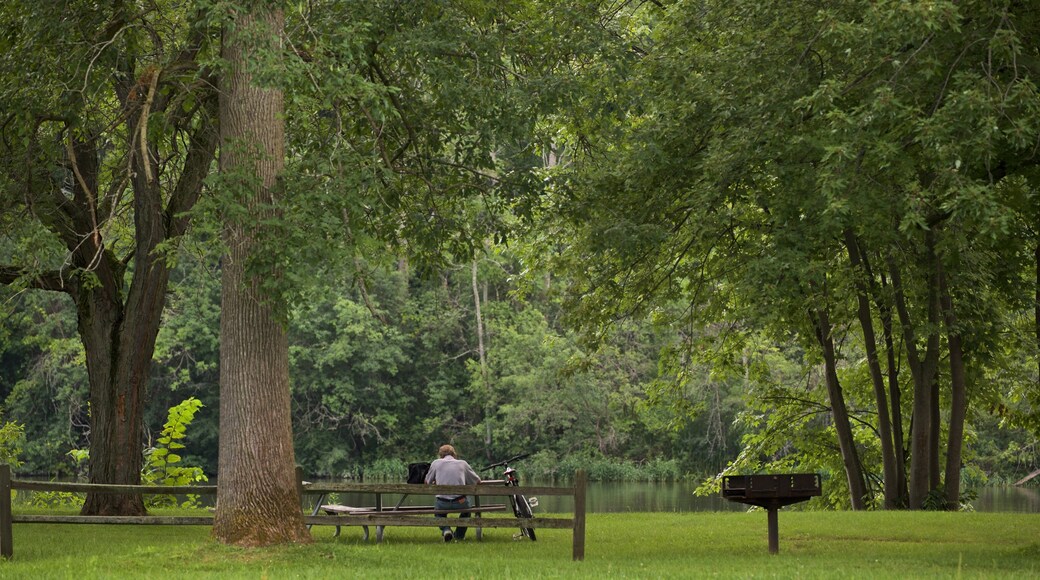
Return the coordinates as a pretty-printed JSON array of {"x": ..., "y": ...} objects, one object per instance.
[{"x": 445, "y": 451}]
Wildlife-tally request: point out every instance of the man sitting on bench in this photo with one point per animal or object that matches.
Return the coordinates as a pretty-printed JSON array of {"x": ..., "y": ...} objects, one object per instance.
[{"x": 448, "y": 469}]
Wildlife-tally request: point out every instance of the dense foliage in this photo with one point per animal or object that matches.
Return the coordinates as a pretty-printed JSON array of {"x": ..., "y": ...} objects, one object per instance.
[
  {"x": 688, "y": 236},
  {"x": 853, "y": 180},
  {"x": 375, "y": 389}
]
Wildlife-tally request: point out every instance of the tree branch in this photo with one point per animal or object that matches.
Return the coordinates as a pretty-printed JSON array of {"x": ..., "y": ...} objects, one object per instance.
[
  {"x": 201, "y": 150},
  {"x": 52, "y": 280}
]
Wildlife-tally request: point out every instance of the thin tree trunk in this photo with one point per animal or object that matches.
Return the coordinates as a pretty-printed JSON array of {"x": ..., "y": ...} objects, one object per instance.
[
  {"x": 958, "y": 402},
  {"x": 119, "y": 338},
  {"x": 895, "y": 396},
  {"x": 882, "y": 297},
  {"x": 866, "y": 320},
  {"x": 483, "y": 363},
  {"x": 840, "y": 414},
  {"x": 123, "y": 336},
  {"x": 930, "y": 371},
  {"x": 258, "y": 501},
  {"x": 923, "y": 376}
]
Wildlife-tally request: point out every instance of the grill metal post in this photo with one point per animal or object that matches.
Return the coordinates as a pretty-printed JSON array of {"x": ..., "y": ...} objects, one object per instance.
[
  {"x": 774, "y": 530},
  {"x": 771, "y": 492}
]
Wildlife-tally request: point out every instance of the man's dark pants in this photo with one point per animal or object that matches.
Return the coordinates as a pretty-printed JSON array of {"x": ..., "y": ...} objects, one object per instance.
[{"x": 453, "y": 504}]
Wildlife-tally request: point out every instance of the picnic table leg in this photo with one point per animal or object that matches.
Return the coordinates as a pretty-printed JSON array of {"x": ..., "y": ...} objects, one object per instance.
[
  {"x": 379, "y": 508},
  {"x": 317, "y": 508}
]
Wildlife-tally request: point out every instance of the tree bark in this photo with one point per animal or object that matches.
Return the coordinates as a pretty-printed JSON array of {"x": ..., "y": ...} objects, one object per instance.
[
  {"x": 116, "y": 396},
  {"x": 258, "y": 500},
  {"x": 840, "y": 414},
  {"x": 958, "y": 400},
  {"x": 866, "y": 320},
  {"x": 923, "y": 374},
  {"x": 114, "y": 363}
]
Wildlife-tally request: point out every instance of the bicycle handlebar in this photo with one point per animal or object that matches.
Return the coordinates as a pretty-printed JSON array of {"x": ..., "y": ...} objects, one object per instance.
[{"x": 506, "y": 461}]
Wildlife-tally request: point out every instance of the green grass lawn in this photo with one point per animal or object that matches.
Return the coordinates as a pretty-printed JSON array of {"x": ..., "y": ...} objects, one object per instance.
[{"x": 659, "y": 545}]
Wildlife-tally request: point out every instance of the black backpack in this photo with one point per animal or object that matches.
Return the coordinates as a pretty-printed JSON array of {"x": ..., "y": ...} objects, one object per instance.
[{"x": 417, "y": 472}]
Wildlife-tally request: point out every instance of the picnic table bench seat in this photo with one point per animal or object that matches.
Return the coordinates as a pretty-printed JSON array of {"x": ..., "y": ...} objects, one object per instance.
[
  {"x": 337, "y": 509},
  {"x": 346, "y": 510}
]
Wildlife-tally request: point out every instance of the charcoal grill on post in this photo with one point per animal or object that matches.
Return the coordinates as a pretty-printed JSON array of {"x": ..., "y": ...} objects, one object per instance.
[{"x": 771, "y": 492}]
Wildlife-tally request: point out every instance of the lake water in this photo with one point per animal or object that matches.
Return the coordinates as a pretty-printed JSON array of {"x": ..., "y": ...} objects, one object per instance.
[
  {"x": 633, "y": 496},
  {"x": 627, "y": 496}
]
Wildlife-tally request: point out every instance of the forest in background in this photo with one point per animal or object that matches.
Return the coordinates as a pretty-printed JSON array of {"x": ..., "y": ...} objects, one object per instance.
[
  {"x": 386, "y": 365},
  {"x": 665, "y": 238}
]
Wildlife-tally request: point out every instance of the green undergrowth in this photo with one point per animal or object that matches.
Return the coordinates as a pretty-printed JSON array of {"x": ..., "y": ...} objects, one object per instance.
[{"x": 659, "y": 545}]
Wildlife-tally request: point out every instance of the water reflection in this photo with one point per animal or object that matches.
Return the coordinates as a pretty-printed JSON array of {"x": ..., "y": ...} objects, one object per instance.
[
  {"x": 631, "y": 496},
  {"x": 1008, "y": 499}
]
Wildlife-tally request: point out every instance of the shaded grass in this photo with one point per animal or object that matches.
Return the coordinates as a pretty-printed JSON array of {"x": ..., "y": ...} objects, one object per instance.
[{"x": 659, "y": 545}]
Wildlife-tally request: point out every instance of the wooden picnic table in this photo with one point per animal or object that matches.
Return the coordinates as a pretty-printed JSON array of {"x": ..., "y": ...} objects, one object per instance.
[{"x": 337, "y": 509}]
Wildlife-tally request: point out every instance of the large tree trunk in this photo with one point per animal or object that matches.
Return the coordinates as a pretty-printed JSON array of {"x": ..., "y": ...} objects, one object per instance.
[
  {"x": 119, "y": 321},
  {"x": 119, "y": 337},
  {"x": 958, "y": 401},
  {"x": 258, "y": 501},
  {"x": 116, "y": 401},
  {"x": 840, "y": 414}
]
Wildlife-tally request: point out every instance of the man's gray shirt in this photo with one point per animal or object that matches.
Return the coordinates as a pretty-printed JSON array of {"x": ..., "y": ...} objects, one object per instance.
[{"x": 450, "y": 471}]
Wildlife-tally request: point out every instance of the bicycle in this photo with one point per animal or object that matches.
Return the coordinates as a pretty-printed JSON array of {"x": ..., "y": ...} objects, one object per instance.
[{"x": 521, "y": 504}]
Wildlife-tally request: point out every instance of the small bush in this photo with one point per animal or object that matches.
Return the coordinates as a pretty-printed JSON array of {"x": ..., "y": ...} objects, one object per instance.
[
  {"x": 160, "y": 461},
  {"x": 55, "y": 499},
  {"x": 12, "y": 438}
]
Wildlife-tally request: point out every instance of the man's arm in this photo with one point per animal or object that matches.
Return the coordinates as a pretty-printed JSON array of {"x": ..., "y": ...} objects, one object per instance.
[{"x": 471, "y": 476}]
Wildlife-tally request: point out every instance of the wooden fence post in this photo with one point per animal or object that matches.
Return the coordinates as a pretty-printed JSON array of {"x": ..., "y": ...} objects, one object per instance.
[
  {"x": 6, "y": 539},
  {"x": 580, "y": 484}
]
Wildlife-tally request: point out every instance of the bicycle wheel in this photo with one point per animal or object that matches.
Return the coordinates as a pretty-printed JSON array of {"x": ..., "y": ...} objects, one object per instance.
[
  {"x": 523, "y": 510},
  {"x": 513, "y": 504}
]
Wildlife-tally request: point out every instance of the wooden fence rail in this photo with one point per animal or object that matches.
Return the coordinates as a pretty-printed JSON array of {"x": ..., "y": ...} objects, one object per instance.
[{"x": 391, "y": 518}]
